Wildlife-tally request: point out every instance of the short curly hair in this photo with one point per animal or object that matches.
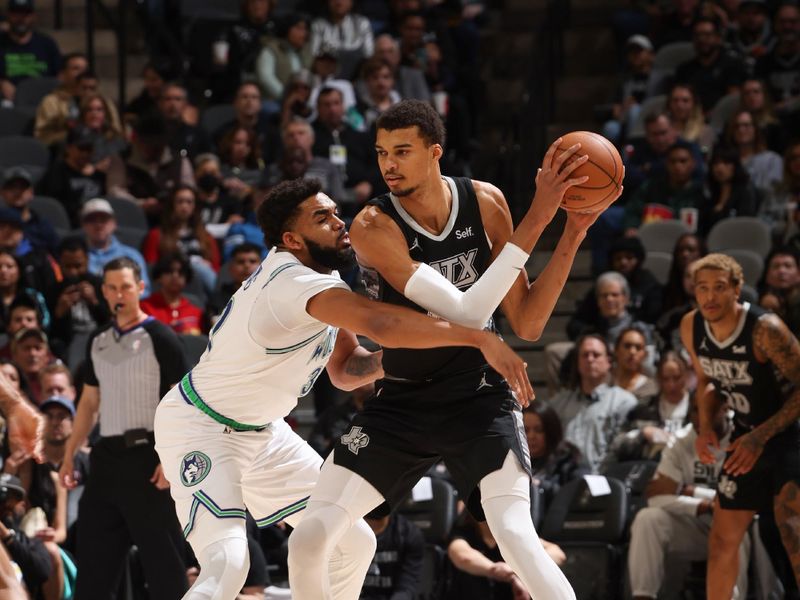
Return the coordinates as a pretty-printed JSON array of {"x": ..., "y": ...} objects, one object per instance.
[
  {"x": 279, "y": 209},
  {"x": 719, "y": 262},
  {"x": 411, "y": 113}
]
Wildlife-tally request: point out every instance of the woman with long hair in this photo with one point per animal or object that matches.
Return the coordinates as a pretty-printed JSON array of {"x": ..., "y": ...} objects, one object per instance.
[
  {"x": 240, "y": 155},
  {"x": 96, "y": 115},
  {"x": 729, "y": 191},
  {"x": 687, "y": 249},
  {"x": 182, "y": 230},
  {"x": 14, "y": 284},
  {"x": 756, "y": 98},
  {"x": 630, "y": 354},
  {"x": 687, "y": 116},
  {"x": 764, "y": 166}
]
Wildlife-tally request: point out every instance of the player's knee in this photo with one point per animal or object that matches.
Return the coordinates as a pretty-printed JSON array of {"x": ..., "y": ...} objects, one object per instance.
[
  {"x": 223, "y": 569},
  {"x": 307, "y": 542},
  {"x": 359, "y": 541},
  {"x": 723, "y": 541}
]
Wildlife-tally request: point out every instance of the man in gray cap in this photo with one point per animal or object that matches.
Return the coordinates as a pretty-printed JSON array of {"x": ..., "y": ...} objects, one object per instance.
[
  {"x": 99, "y": 224},
  {"x": 16, "y": 193}
]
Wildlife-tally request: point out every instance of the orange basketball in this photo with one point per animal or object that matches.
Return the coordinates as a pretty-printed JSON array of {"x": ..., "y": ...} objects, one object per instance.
[{"x": 604, "y": 169}]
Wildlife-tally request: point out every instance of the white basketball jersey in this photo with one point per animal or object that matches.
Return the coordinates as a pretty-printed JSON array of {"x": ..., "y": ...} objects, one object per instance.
[{"x": 265, "y": 350}]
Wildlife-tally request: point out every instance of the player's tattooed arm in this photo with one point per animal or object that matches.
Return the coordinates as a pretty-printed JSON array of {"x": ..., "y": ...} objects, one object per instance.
[
  {"x": 364, "y": 365},
  {"x": 774, "y": 342},
  {"x": 351, "y": 365}
]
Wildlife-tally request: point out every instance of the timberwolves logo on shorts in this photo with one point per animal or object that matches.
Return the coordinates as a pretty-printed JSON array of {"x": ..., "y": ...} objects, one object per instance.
[
  {"x": 355, "y": 440},
  {"x": 194, "y": 468}
]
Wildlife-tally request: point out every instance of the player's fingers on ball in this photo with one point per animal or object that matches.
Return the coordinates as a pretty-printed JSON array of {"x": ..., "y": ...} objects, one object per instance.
[
  {"x": 574, "y": 181},
  {"x": 551, "y": 152},
  {"x": 572, "y": 165},
  {"x": 562, "y": 158}
]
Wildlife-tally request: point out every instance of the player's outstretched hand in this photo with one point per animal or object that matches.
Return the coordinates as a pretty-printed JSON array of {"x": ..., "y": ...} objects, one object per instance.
[
  {"x": 743, "y": 454},
  {"x": 553, "y": 179},
  {"x": 506, "y": 362},
  {"x": 25, "y": 431},
  {"x": 704, "y": 445}
]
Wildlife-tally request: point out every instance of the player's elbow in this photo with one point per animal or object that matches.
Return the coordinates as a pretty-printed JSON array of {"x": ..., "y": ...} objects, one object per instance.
[{"x": 530, "y": 331}]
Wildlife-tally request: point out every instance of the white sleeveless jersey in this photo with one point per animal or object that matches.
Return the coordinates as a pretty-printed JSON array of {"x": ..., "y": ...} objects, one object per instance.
[{"x": 265, "y": 350}]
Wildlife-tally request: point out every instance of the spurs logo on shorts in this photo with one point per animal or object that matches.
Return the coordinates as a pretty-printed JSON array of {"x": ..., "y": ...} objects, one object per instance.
[
  {"x": 194, "y": 468},
  {"x": 727, "y": 487},
  {"x": 355, "y": 440}
]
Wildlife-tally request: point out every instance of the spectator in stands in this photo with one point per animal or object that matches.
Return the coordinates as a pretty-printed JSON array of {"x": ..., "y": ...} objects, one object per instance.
[
  {"x": 349, "y": 150},
  {"x": 244, "y": 260},
  {"x": 672, "y": 21},
  {"x": 44, "y": 491},
  {"x": 248, "y": 114},
  {"x": 345, "y": 32},
  {"x": 714, "y": 71},
  {"x": 15, "y": 282},
  {"x": 56, "y": 380},
  {"x": 333, "y": 422},
  {"x": 248, "y": 230},
  {"x": 668, "y": 325},
  {"x": 184, "y": 139},
  {"x": 409, "y": 82},
  {"x": 654, "y": 423},
  {"x": 215, "y": 203},
  {"x": 379, "y": 93},
  {"x": 98, "y": 115},
  {"x": 324, "y": 70},
  {"x": 729, "y": 191},
  {"x": 677, "y": 520},
  {"x": 299, "y": 161},
  {"x": 282, "y": 56},
  {"x": 149, "y": 171},
  {"x": 554, "y": 461},
  {"x": 480, "y": 572},
  {"x": 779, "y": 287},
  {"x": 396, "y": 568},
  {"x": 24, "y": 313},
  {"x": 31, "y": 353},
  {"x": 98, "y": 224},
  {"x": 36, "y": 268},
  {"x": 16, "y": 193},
  {"x": 240, "y": 157},
  {"x": 751, "y": 37},
  {"x": 687, "y": 116},
  {"x": 169, "y": 305},
  {"x": 665, "y": 197},
  {"x": 29, "y": 553},
  {"x": 154, "y": 75},
  {"x": 630, "y": 355},
  {"x": 58, "y": 111},
  {"x": 74, "y": 179},
  {"x": 764, "y": 166},
  {"x": 77, "y": 302},
  {"x": 594, "y": 411},
  {"x": 14, "y": 376},
  {"x": 182, "y": 230},
  {"x": 688, "y": 248},
  {"x": 756, "y": 99},
  {"x": 632, "y": 89},
  {"x": 24, "y": 52},
  {"x": 779, "y": 206},
  {"x": 296, "y": 98},
  {"x": 780, "y": 68}
]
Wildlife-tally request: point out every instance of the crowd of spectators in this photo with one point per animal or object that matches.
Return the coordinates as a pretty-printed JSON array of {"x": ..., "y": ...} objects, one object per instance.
[{"x": 172, "y": 181}]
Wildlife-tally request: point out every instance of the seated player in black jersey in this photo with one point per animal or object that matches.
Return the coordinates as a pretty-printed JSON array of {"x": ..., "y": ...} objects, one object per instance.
[
  {"x": 749, "y": 359},
  {"x": 444, "y": 246}
]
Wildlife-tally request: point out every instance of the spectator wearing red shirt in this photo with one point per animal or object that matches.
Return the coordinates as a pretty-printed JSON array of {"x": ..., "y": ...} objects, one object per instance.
[
  {"x": 168, "y": 304},
  {"x": 182, "y": 230}
]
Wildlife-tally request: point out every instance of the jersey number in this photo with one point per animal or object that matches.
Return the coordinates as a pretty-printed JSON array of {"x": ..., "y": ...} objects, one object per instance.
[
  {"x": 311, "y": 380},
  {"x": 737, "y": 402}
]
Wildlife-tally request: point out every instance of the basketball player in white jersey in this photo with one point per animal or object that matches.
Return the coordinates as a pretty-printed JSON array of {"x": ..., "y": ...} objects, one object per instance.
[{"x": 220, "y": 433}]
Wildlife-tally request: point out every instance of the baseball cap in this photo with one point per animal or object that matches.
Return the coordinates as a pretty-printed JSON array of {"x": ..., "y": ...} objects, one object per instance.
[
  {"x": 96, "y": 205},
  {"x": 10, "y": 216},
  {"x": 13, "y": 173},
  {"x": 11, "y": 483},
  {"x": 20, "y": 5},
  {"x": 26, "y": 333},
  {"x": 58, "y": 401},
  {"x": 80, "y": 136},
  {"x": 640, "y": 41}
]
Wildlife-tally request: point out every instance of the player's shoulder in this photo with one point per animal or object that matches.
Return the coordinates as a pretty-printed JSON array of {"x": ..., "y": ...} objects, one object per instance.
[
  {"x": 687, "y": 320},
  {"x": 488, "y": 193}
]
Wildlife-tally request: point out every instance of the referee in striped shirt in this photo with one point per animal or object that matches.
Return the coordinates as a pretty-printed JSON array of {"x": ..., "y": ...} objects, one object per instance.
[{"x": 131, "y": 363}]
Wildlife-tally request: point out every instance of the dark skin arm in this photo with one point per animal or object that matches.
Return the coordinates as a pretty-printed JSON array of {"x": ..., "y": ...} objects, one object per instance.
[{"x": 773, "y": 342}]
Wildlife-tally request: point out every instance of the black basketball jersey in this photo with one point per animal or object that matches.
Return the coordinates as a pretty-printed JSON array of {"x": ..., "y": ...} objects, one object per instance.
[
  {"x": 754, "y": 390},
  {"x": 460, "y": 253}
]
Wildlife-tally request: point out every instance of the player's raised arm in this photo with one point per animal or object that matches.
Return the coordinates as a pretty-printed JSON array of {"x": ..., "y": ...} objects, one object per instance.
[
  {"x": 398, "y": 327},
  {"x": 380, "y": 245},
  {"x": 707, "y": 400}
]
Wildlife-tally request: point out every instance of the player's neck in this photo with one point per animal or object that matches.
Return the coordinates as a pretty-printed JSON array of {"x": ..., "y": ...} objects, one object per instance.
[
  {"x": 430, "y": 205},
  {"x": 724, "y": 327},
  {"x": 305, "y": 258}
]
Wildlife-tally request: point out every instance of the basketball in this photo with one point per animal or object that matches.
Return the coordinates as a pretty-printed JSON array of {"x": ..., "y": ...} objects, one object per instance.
[{"x": 604, "y": 169}]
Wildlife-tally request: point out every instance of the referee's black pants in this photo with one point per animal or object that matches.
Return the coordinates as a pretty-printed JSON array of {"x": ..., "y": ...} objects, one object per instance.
[{"x": 120, "y": 507}]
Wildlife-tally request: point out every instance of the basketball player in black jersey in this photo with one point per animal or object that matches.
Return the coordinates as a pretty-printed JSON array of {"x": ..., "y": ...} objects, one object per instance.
[
  {"x": 444, "y": 246},
  {"x": 749, "y": 359}
]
